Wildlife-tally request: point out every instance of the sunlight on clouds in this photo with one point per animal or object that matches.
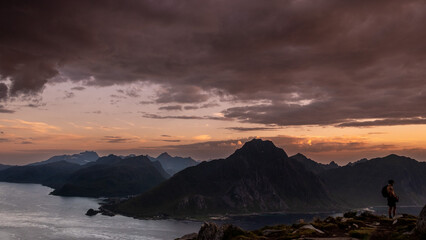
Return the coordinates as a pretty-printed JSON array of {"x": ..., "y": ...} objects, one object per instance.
[
  {"x": 39, "y": 127},
  {"x": 202, "y": 137}
]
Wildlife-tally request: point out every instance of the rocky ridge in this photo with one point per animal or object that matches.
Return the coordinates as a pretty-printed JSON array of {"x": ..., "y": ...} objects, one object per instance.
[{"x": 352, "y": 225}]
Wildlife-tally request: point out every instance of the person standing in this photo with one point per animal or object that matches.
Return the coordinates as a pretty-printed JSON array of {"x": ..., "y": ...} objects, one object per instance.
[{"x": 392, "y": 199}]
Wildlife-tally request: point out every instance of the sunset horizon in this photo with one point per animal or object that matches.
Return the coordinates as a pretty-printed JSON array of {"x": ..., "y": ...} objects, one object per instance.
[
  {"x": 154, "y": 77},
  {"x": 212, "y": 119}
]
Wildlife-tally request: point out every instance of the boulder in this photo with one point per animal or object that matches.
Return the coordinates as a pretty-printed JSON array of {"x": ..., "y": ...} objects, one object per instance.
[
  {"x": 91, "y": 212},
  {"x": 421, "y": 222},
  {"x": 211, "y": 231},
  {"x": 106, "y": 212}
]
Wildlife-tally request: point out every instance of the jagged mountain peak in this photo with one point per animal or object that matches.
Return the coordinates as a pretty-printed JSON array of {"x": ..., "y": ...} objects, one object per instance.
[
  {"x": 259, "y": 147},
  {"x": 164, "y": 155},
  {"x": 334, "y": 164},
  {"x": 299, "y": 156}
]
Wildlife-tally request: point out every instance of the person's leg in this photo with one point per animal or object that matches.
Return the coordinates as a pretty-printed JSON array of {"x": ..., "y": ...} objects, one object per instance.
[
  {"x": 390, "y": 212},
  {"x": 394, "y": 211}
]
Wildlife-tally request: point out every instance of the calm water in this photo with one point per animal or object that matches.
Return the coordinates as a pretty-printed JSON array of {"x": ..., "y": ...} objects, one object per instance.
[{"x": 28, "y": 212}]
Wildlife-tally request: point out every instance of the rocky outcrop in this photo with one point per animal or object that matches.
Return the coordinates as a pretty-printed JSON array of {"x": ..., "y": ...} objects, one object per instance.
[
  {"x": 421, "y": 222},
  {"x": 92, "y": 212},
  {"x": 212, "y": 231},
  {"x": 363, "y": 225}
]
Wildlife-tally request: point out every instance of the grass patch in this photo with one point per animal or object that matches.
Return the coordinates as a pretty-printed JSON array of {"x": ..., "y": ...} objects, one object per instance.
[{"x": 362, "y": 233}]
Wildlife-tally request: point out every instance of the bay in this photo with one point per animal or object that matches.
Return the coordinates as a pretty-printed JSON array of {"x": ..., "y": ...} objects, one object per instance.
[{"x": 27, "y": 211}]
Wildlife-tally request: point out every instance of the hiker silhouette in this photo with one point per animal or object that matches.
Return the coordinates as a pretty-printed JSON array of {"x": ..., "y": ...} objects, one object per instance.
[{"x": 392, "y": 198}]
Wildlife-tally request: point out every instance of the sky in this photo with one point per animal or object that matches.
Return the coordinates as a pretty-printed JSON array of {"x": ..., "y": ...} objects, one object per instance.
[{"x": 335, "y": 80}]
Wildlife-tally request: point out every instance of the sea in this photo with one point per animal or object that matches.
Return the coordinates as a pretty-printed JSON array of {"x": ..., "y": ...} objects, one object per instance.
[{"x": 27, "y": 211}]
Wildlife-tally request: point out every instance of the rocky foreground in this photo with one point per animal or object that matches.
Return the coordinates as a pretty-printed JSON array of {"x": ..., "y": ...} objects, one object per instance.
[{"x": 350, "y": 226}]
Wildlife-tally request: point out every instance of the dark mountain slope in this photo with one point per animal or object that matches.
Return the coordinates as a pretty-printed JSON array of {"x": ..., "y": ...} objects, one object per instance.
[
  {"x": 173, "y": 165},
  {"x": 3, "y": 167},
  {"x": 112, "y": 176},
  {"x": 259, "y": 177},
  {"x": 50, "y": 174},
  {"x": 359, "y": 185},
  {"x": 313, "y": 166}
]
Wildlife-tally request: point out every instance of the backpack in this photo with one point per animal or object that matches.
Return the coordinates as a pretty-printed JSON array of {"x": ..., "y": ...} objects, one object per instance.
[{"x": 385, "y": 192}]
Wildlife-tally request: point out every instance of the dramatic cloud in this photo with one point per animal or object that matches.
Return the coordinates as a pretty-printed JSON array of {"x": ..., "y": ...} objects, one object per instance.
[
  {"x": 170, "y": 140},
  {"x": 171, "y": 108},
  {"x": 385, "y": 122},
  {"x": 320, "y": 149},
  {"x": 3, "y": 91},
  {"x": 184, "y": 117},
  {"x": 116, "y": 139},
  {"x": 131, "y": 92},
  {"x": 4, "y": 110},
  {"x": 186, "y": 94},
  {"x": 69, "y": 95},
  {"x": 316, "y": 63},
  {"x": 78, "y": 88},
  {"x": 249, "y": 129},
  {"x": 191, "y": 107}
]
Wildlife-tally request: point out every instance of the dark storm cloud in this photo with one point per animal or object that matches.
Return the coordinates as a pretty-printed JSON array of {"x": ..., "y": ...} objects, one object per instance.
[
  {"x": 170, "y": 140},
  {"x": 249, "y": 129},
  {"x": 183, "y": 117},
  {"x": 131, "y": 92},
  {"x": 171, "y": 108},
  {"x": 4, "y": 110},
  {"x": 322, "y": 62},
  {"x": 385, "y": 122},
  {"x": 116, "y": 139},
  {"x": 206, "y": 105},
  {"x": 68, "y": 95},
  {"x": 78, "y": 88},
  {"x": 187, "y": 94},
  {"x": 191, "y": 107},
  {"x": 3, "y": 91}
]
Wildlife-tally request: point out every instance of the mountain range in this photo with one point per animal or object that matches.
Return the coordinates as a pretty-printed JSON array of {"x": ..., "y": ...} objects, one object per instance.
[
  {"x": 87, "y": 175},
  {"x": 261, "y": 178},
  {"x": 173, "y": 165},
  {"x": 313, "y": 166},
  {"x": 80, "y": 158},
  {"x": 113, "y": 176},
  {"x": 257, "y": 178},
  {"x": 358, "y": 185}
]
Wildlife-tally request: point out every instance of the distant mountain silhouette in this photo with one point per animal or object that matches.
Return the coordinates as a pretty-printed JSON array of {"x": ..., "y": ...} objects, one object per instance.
[
  {"x": 50, "y": 174},
  {"x": 173, "y": 165},
  {"x": 359, "y": 185},
  {"x": 3, "y": 167},
  {"x": 113, "y": 176},
  {"x": 259, "y": 177},
  {"x": 80, "y": 158},
  {"x": 357, "y": 162},
  {"x": 313, "y": 166}
]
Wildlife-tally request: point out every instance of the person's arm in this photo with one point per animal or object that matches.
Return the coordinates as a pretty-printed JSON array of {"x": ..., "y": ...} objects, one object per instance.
[{"x": 392, "y": 192}]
